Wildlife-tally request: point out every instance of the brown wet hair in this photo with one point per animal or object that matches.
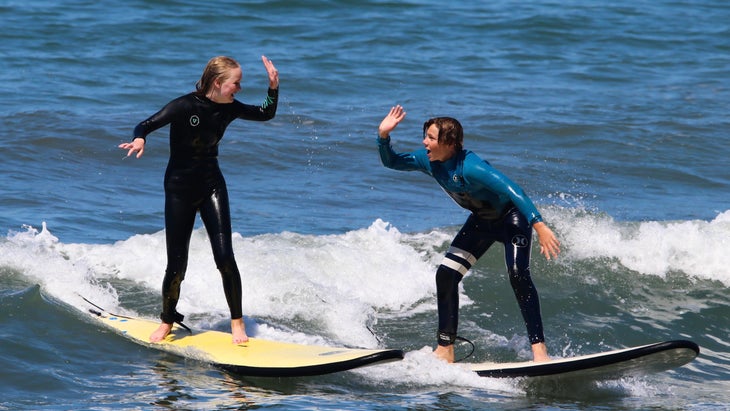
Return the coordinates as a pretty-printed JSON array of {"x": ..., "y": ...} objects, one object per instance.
[{"x": 450, "y": 131}]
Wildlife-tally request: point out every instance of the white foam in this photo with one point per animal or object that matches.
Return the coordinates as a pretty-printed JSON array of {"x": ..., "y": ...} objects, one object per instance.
[
  {"x": 44, "y": 260},
  {"x": 339, "y": 282},
  {"x": 336, "y": 282},
  {"x": 422, "y": 368},
  {"x": 696, "y": 248}
]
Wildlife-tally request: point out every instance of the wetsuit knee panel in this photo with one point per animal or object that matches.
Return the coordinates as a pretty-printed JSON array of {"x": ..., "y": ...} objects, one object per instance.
[{"x": 458, "y": 260}]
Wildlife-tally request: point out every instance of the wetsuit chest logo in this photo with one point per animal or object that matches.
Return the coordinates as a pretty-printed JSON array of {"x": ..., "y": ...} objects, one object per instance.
[{"x": 194, "y": 120}]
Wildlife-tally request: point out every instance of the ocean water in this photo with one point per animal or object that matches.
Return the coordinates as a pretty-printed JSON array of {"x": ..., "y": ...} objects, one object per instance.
[{"x": 613, "y": 117}]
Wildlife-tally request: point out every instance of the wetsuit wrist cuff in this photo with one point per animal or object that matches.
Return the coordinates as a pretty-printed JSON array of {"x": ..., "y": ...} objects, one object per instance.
[{"x": 383, "y": 141}]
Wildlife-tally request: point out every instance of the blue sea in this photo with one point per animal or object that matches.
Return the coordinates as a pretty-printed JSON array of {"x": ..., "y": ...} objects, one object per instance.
[{"x": 613, "y": 116}]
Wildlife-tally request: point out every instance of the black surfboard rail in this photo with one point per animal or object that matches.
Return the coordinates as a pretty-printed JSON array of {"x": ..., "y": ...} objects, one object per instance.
[
  {"x": 313, "y": 370},
  {"x": 639, "y": 360}
]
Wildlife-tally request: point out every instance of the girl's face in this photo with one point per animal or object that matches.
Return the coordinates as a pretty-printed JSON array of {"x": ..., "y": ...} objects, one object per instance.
[
  {"x": 436, "y": 151},
  {"x": 225, "y": 89}
]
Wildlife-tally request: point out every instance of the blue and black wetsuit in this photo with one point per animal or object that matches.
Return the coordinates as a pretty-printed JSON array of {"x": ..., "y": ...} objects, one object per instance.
[
  {"x": 500, "y": 212},
  {"x": 194, "y": 183}
]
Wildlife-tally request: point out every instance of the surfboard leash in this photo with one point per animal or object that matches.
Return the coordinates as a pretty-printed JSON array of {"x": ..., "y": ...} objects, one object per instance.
[
  {"x": 102, "y": 310},
  {"x": 373, "y": 333},
  {"x": 470, "y": 352},
  {"x": 180, "y": 323},
  {"x": 458, "y": 338}
]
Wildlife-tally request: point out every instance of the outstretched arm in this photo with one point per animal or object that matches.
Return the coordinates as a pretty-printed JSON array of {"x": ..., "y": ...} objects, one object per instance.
[{"x": 394, "y": 117}]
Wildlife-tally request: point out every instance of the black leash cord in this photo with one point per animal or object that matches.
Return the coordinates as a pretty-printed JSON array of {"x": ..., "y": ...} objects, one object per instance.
[
  {"x": 101, "y": 310},
  {"x": 470, "y": 352}
]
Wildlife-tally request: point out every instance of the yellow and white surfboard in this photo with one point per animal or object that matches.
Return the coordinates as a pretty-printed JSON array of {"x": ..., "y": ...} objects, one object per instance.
[{"x": 257, "y": 357}]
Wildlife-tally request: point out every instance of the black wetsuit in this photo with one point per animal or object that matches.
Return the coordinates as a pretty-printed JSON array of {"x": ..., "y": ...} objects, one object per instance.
[{"x": 193, "y": 182}]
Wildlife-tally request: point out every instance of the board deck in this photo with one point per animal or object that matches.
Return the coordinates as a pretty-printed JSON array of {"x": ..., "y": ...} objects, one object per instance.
[
  {"x": 627, "y": 362},
  {"x": 257, "y": 357}
]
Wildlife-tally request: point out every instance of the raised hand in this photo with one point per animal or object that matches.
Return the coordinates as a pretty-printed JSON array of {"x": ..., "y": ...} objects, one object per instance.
[
  {"x": 389, "y": 123},
  {"x": 272, "y": 72}
]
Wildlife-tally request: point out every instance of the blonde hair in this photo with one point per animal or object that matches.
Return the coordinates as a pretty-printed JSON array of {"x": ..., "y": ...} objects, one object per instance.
[{"x": 217, "y": 68}]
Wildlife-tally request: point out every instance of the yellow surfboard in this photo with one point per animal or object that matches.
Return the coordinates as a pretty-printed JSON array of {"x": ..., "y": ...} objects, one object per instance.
[{"x": 257, "y": 357}]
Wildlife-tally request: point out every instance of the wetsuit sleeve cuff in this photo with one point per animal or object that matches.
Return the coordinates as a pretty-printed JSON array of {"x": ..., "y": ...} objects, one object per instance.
[
  {"x": 383, "y": 141},
  {"x": 536, "y": 219},
  {"x": 139, "y": 132}
]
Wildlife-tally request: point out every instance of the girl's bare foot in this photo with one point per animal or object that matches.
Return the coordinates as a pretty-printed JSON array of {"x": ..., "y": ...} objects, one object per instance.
[
  {"x": 161, "y": 332},
  {"x": 238, "y": 329},
  {"x": 445, "y": 353},
  {"x": 539, "y": 352}
]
